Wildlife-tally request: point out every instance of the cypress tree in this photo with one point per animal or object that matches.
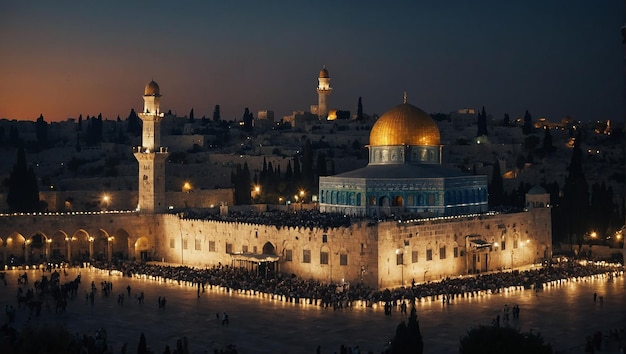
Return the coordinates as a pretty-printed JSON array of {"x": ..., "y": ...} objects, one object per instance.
[
  {"x": 23, "y": 193},
  {"x": 496, "y": 189},
  {"x": 216, "y": 113},
  {"x": 359, "y": 110}
]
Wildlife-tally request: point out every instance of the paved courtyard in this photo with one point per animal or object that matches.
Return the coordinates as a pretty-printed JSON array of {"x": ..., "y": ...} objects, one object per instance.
[{"x": 564, "y": 314}]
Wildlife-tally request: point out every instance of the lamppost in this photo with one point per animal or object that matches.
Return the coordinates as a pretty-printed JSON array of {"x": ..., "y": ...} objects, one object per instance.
[
  {"x": 109, "y": 248},
  {"x": 302, "y": 194},
  {"x": 48, "y": 242},
  {"x": 90, "y": 247}
]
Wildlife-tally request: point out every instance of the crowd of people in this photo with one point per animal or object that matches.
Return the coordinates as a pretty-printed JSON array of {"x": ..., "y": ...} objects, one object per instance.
[{"x": 295, "y": 289}]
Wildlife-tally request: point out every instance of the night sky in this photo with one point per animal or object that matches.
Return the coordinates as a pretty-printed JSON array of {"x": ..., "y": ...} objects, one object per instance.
[{"x": 554, "y": 58}]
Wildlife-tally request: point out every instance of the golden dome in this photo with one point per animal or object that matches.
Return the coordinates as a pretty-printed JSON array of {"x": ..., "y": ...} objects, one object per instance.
[
  {"x": 405, "y": 124},
  {"x": 324, "y": 73},
  {"x": 152, "y": 89}
]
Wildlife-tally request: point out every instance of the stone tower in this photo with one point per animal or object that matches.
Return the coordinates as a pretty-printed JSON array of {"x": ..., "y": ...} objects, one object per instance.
[
  {"x": 323, "y": 91},
  {"x": 151, "y": 155}
]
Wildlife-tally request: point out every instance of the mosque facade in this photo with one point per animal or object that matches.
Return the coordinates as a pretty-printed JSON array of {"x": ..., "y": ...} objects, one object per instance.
[{"x": 404, "y": 174}]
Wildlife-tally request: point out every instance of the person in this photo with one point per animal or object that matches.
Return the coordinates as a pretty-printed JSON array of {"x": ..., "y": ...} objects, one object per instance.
[
  {"x": 128, "y": 290},
  {"x": 595, "y": 296},
  {"x": 225, "y": 319}
]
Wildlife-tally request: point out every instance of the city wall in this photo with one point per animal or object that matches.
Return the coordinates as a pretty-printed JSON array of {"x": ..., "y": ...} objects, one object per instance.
[{"x": 441, "y": 248}]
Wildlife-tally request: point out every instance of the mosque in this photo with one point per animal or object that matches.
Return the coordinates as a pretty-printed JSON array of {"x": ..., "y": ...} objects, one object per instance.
[
  {"x": 404, "y": 173},
  {"x": 452, "y": 232}
]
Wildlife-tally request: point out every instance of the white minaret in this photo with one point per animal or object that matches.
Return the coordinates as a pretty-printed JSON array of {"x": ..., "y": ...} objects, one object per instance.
[
  {"x": 323, "y": 91},
  {"x": 151, "y": 155}
]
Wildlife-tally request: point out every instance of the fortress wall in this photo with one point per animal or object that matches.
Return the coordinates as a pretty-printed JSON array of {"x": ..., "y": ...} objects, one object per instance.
[
  {"x": 357, "y": 242},
  {"x": 531, "y": 229}
]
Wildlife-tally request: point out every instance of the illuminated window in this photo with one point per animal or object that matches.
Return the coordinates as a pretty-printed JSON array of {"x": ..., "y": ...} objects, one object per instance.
[
  {"x": 306, "y": 256},
  {"x": 288, "y": 255},
  {"x": 211, "y": 246},
  {"x": 229, "y": 247},
  {"x": 414, "y": 257},
  {"x": 442, "y": 253},
  {"x": 323, "y": 257},
  {"x": 429, "y": 255},
  {"x": 399, "y": 258}
]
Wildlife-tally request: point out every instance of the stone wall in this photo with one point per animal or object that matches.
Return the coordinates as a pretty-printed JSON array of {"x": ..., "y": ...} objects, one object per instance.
[{"x": 370, "y": 250}]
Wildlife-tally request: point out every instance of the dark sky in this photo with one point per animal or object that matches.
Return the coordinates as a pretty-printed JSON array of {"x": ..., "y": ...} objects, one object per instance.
[{"x": 554, "y": 58}]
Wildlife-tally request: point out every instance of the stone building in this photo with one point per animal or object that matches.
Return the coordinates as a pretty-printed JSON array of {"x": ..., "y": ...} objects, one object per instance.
[
  {"x": 404, "y": 173},
  {"x": 451, "y": 235}
]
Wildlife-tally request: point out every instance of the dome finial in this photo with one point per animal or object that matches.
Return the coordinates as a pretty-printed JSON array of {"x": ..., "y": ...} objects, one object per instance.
[{"x": 404, "y": 98}]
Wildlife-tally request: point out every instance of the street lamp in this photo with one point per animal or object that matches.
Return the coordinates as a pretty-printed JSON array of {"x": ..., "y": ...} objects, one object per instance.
[
  {"x": 106, "y": 200},
  {"x": 90, "y": 246},
  {"x": 109, "y": 240},
  {"x": 302, "y": 195},
  {"x": 187, "y": 187}
]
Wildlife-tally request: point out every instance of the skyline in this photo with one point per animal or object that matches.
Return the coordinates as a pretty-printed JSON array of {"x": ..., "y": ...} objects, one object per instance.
[{"x": 66, "y": 59}]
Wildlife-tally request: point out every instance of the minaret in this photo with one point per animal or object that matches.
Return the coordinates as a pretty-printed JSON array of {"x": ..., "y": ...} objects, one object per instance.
[
  {"x": 323, "y": 91},
  {"x": 151, "y": 155}
]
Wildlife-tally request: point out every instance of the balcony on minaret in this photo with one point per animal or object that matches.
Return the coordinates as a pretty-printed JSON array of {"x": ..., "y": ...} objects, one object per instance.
[{"x": 145, "y": 150}]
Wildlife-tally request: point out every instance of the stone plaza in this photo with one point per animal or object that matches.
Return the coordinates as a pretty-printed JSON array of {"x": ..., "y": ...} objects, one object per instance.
[{"x": 565, "y": 314}]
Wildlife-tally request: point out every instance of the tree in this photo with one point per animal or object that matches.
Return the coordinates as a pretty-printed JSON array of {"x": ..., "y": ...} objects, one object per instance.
[
  {"x": 527, "y": 128},
  {"x": 142, "y": 347},
  {"x": 496, "y": 339},
  {"x": 216, "y": 113},
  {"x": 506, "y": 121},
  {"x": 359, "y": 110},
  {"x": 547, "y": 142},
  {"x": 79, "y": 126},
  {"x": 482, "y": 123},
  {"x": 408, "y": 338},
  {"x": 247, "y": 120},
  {"x": 496, "y": 189},
  {"x": 576, "y": 195},
  {"x": 191, "y": 119},
  {"x": 23, "y": 193},
  {"x": 133, "y": 123},
  {"x": 307, "y": 166}
]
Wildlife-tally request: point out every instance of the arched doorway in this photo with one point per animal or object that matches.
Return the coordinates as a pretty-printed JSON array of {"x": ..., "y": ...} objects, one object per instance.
[
  {"x": 268, "y": 268},
  {"x": 15, "y": 249},
  {"x": 120, "y": 244},
  {"x": 36, "y": 248},
  {"x": 142, "y": 249},
  {"x": 79, "y": 246},
  {"x": 59, "y": 244}
]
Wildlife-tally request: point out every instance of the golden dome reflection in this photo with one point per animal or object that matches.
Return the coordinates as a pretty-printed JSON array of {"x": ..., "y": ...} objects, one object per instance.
[
  {"x": 152, "y": 89},
  {"x": 405, "y": 124}
]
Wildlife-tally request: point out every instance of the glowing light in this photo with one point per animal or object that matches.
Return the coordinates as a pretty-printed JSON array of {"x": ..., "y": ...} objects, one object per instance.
[{"x": 187, "y": 187}]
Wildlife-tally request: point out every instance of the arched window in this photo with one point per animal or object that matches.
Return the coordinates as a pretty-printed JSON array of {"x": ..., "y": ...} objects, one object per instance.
[
  {"x": 358, "y": 199},
  {"x": 398, "y": 201}
]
